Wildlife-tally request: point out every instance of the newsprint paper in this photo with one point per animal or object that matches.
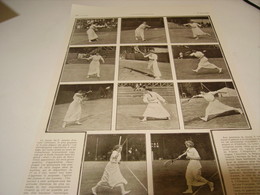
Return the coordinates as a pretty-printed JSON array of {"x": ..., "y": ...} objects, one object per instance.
[{"x": 140, "y": 106}]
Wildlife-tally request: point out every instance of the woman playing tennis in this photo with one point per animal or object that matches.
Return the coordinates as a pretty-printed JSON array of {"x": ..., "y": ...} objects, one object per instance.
[
  {"x": 112, "y": 175},
  {"x": 154, "y": 107},
  {"x": 215, "y": 107},
  {"x": 193, "y": 171}
]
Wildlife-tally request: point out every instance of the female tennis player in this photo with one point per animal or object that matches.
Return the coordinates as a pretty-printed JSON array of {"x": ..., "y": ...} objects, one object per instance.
[
  {"x": 153, "y": 63},
  {"x": 91, "y": 32},
  {"x": 193, "y": 171},
  {"x": 204, "y": 62},
  {"x": 139, "y": 31},
  {"x": 196, "y": 31},
  {"x": 154, "y": 107},
  {"x": 215, "y": 107},
  {"x": 73, "y": 113},
  {"x": 112, "y": 176},
  {"x": 94, "y": 66}
]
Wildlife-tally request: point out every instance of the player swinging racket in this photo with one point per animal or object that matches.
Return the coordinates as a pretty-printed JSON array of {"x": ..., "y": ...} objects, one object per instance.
[
  {"x": 196, "y": 31},
  {"x": 92, "y": 36},
  {"x": 94, "y": 66},
  {"x": 154, "y": 107},
  {"x": 204, "y": 62},
  {"x": 112, "y": 176},
  {"x": 139, "y": 32},
  {"x": 153, "y": 63},
  {"x": 215, "y": 107},
  {"x": 193, "y": 171},
  {"x": 73, "y": 113}
]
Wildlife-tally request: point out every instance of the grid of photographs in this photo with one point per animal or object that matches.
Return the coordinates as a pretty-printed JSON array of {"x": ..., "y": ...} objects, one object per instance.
[{"x": 128, "y": 81}]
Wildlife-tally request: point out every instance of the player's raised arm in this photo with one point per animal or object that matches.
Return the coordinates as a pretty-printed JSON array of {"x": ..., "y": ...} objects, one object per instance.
[{"x": 102, "y": 59}]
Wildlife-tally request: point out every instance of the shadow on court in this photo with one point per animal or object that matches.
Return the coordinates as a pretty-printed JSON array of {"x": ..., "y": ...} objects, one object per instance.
[
  {"x": 128, "y": 117},
  {"x": 137, "y": 70}
]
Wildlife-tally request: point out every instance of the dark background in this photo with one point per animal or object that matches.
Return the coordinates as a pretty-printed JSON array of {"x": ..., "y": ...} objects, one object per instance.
[
  {"x": 169, "y": 146},
  {"x": 66, "y": 92},
  {"x": 191, "y": 89},
  {"x": 212, "y": 51},
  {"x": 105, "y": 143},
  {"x": 133, "y": 23}
]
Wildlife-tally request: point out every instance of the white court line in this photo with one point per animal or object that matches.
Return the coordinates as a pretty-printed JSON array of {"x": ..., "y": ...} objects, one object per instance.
[{"x": 136, "y": 178}]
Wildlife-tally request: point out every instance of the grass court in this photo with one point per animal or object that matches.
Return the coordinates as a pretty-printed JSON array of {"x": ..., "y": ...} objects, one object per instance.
[
  {"x": 153, "y": 35},
  {"x": 184, "y": 35},
  {"x": 134, "y": 172},
  {"x": 81, "y": 38},
  {"x": 139, "y": 65},
  {"x": 196, "y": 108},
  {"x": 171, "y": 179},
  {"x": 96, "y": 115},
  {"x": 78, "y": 72},
  {"x": 129, "y": 116},
  {"x": 184, "y": 69}
]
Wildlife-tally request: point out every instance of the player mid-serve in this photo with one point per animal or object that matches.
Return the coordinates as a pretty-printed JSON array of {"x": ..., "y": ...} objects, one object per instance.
[
  {"x": 112, "y": 176},
  {"x": 139, "y": 31},
  {"x": 215, "y": 107},
  {"x": 204, "y": 62},
  {"x": 193, "y": 171}
]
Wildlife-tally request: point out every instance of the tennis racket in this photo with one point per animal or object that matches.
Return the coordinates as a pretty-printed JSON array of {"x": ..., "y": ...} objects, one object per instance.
[
  {"x": 136, "y": 48},
  {"x": 169, "y": 162}
]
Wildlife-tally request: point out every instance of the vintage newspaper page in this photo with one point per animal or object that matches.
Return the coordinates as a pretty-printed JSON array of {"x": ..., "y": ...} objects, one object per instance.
[{"x": 146, "y": 103}]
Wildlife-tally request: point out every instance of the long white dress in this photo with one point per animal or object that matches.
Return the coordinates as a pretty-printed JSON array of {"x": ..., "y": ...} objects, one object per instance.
[
  {"x": 204, "y": 62},
  {"x": 215, "y": 107},
  {"x": 74, "y": 111},
  {"x": 139, "y": 31},
  {"x": 153, "y": 63},
  {"x": 154, "y": 108},
  {"x": 94, "y": 66},
  {"x": 112, "y": 175},
  {"x": 196, "y": 31},
  {"x": 193, "y": 171},
  {"x": 91, "y": 33}
]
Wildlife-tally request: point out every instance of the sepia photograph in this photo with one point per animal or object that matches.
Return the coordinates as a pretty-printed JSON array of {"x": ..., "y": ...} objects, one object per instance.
[
  {"x": 114, "y": 164},
  {"x": 211, "y": 105},
  {"x": 143, "y": 30},
  {"x": 89, "y": 64},
  {"x": 199, "y": 62},
  {"x": 94, "y": 31},
  {"x": 184, "y": 163},
  {"x": 144, "y": 63},
  {"x": 191, "y": 30},
  {"x": 82, "y": 107},
  {"x": 146, "y": 106}
]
